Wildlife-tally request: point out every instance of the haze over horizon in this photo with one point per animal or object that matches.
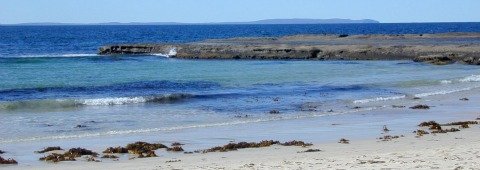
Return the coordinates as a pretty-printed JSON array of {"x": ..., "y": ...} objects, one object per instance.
[{"x": 212, "y": 11}]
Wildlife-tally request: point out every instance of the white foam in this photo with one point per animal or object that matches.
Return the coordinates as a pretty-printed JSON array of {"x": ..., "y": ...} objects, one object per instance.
[
  {"x": 114, "y": 101},
  {"x": 472, "y": 78},
  {"x": 446, "y": 81},
  {"x": 171, "y": 53},
  {"x": 379, "y": 99},
  {"x": 443, "y": 92},
  {"x": 79, "y": 55}
]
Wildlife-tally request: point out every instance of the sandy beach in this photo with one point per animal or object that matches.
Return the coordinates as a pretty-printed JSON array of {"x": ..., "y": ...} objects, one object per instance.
[
  {"x": 443, "y": 151},
  {"x": 452, "y": 150}
]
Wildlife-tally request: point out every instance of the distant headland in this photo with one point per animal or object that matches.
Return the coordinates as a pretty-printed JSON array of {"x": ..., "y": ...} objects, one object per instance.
[{"x": 265, "y": 21}]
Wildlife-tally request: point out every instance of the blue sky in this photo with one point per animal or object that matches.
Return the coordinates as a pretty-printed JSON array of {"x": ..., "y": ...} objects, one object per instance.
[{"x": 194, "y": 11}]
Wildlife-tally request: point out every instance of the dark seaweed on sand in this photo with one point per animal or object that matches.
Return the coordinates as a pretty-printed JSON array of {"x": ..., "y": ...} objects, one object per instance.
[
  {"x": 48, "y": 149},
  {"x": 7, "y": 161}
]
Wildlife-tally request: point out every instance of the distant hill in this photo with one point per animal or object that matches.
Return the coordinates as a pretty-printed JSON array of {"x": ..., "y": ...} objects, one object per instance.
[
  {"x": 306, "y": 21},
  {"x": 266, "y": 21}
]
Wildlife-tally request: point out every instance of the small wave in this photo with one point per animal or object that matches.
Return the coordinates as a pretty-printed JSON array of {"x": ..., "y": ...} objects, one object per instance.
[
  {"x": 171, "y": 53},
  {"x": 69, "y": 103},
  {"x": 472, "y": 78},
  {"x": 446, "y": 81},
  {"x": 379, "y": 99},
  {"x": 442, "y": 92}
]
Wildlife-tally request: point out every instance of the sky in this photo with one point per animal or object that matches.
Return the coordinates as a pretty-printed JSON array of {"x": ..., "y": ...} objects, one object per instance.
[{"x": 201, "y": 11}]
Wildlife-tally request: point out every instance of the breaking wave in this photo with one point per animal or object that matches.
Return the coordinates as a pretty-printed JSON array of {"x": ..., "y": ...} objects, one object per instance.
[{"x": 68, "y": 103}]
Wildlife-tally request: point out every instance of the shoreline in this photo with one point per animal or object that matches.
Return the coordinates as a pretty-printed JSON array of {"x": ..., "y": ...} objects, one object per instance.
[
  {"x": 439, "y": 49},
  {"x": 364, "y": 145}
]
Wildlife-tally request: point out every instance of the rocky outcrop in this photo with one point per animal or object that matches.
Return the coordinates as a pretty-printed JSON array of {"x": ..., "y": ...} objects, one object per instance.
[{"x": 437, "y": 49}]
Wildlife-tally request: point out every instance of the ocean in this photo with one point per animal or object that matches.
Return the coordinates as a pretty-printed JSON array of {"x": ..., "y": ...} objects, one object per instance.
[{"x": 54, "y": 87}]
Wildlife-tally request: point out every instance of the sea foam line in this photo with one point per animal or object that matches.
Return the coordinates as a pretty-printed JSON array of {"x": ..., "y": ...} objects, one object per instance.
[{"x": 379, "y": 99}]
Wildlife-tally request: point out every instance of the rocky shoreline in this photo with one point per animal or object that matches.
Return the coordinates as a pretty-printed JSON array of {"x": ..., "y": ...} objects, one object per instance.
[{"x": 431, "y": 48}]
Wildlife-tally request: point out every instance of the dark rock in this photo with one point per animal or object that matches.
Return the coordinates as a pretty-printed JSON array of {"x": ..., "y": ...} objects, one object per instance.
[
  {"x": 435, "y": 59},
  {"x": 2, "y": 152},
  {"x": 464, "y": 99},
  {"x": 48, "y": 149},
  {"x": 343, "y": 35},
  {"x": 81, "y": 126}
]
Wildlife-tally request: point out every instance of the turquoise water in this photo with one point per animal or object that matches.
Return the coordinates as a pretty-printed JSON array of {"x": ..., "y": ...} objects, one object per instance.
[{"x": 47, "y": 98}]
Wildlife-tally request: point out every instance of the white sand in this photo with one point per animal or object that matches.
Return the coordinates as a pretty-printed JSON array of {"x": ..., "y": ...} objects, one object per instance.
[{"x": 441, "y": 151}]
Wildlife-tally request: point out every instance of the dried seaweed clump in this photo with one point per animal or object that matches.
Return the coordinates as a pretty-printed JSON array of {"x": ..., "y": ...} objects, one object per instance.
[
  {"x": 175, "y": 149},
  {"x": 432, "y": 125},
  {"x": 48, "y": 149},
  {"x": 7, "y": 161},
  {"x": 388, "y": 137},
  {"x": 461, "y": 123},
  {"x": 344, "y": 141},
  {"x": 110, "y": 156},
  {"x": 420, "y": 107},
  {"x": 177, "y": 144},
  {"x": 70, "y": 155},
  {"x": 421, "y": 132},
  {"x": 144, "y": 149},
  {"x": 55, "y": 157},
  {"x": 446, "y": 130},
  {"x": 296, "y": 143},
  {"x": 118, "y": 149},
  {"x": 241, "y": 145}
]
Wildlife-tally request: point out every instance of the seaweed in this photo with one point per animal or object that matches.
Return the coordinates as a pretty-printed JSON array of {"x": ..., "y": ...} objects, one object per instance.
[
  {"x": 344, "y": 141},
  {"x": 92, "y": 159},
  {"x": 147, "y": 154},
  {"x": 274, "y": 112},
  {"x": 175, "y": 149},
  {"x": 176, "y": 144},
  {"x": 310, "y": 150},
  {"x": 446, "y": 130},
  {"x": 7, "y": 161},
  {"x": 464, "y": 126},
  {"x": 118, "y": 149},
  {"x": 432, "y": 125},
  {"x": 77, "y": 152},
  {"x": 421, "y": 132},
  {"x": 144, "y": 147},
  {"x": 2, "y": 152},
  {"x": 70, "y": 155},
  {"x": 388, "y": 137},
  {"x": 296, "y": 143},
  {"x": 385, "y": 129},
  {"x": 107, "y": 156},
  {"x": 461, "y": 123},
  {"x": 241, "y": 145},
  {"x": 420, "y": 107},
  {"x": 48, "y": 149},
  {"x": 464, "y": 99},
  {"x": 55, "y": 157}
]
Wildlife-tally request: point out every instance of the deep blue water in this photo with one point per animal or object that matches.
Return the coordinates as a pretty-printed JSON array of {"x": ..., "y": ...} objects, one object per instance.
[{"x": 47, "y": 40}]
